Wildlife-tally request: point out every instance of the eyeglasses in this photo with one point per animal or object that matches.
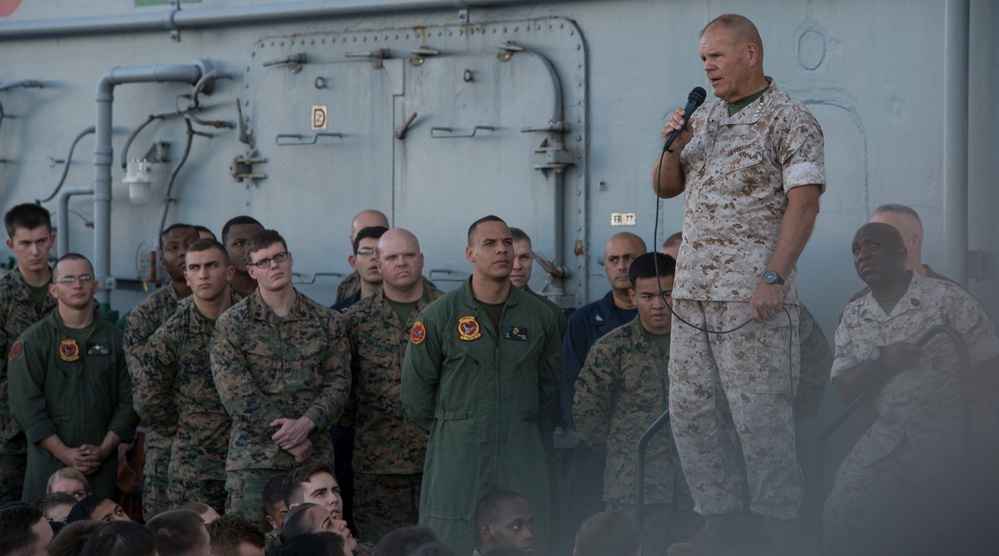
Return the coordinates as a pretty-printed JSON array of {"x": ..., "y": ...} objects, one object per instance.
[
  {"x": 266, "y": 263},
  {"x": 366, "y": 251},
  {"x": 70, "y": 280}
]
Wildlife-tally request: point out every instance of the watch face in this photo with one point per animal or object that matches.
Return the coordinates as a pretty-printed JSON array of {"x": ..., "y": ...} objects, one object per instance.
[{"x": 770, "y": 277}]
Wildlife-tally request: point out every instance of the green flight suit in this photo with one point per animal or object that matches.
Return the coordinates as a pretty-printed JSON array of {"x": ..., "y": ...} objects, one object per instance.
[
  {"x": 486, "y": 398},
  {"x": 77, "y": 400}
]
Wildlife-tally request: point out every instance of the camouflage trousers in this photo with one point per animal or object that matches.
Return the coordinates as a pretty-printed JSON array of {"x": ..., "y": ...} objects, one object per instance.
[
  {"x": 245, "y": 494},
  {"x": 211, "y": 492},
  {"x": 155, "y": 499},
  {"x": 383, "y": 503},
  {"x": 13, "y": 465},
  {"x": 732, "y": 391}
]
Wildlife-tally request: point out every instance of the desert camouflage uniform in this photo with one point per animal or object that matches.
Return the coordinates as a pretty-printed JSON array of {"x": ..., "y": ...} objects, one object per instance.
[
  {"x": 737, "y": 170},
  {"x": 265, "y": 368},
  {"x": 621, "y": 390},
  {"x": 388, "y": 452},
  {"x": 175, "y": 395},
  {"x": 17, "y": 312},
  {"x": 917, "y": 436},
  {"x": 143, "y": 320},
  {"x": 816, "y": 362}
]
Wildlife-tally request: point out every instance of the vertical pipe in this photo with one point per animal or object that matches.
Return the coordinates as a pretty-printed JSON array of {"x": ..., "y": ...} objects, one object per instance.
[
  {"x": 62, "y": 215},
  {"x": 103, "y": 154},
  {"x": 955, "y": 159}
]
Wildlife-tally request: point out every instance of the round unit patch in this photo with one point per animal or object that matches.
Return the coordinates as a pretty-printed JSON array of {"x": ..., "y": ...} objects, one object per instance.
[
  {"x": 418, "y": 334},
  {"x": 69, "y": 350},
  {"x": 15, "y": 350}
]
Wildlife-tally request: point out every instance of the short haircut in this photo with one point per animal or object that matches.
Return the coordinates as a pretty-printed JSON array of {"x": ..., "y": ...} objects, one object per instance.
[
  {"x": 82, "y": 509},
  {"x": 740, "y": 28},
  {"x": 433, "y": 549},
  {"x": 28, "y": 216},
  {"x": 120, "y": 538},
  {"x": 483, "y": 220},
  {"x": 274, "y": 491},
  {"x": 236, "y": 221},
  {"x": 173, "y": 227},
  {"x": 674, "y": 239},
  {"x": 199, "y": 229},
  {"x": 298, "y": 522},
  {"x": 375, "y": 232},
  {"x": 54, "y": 499},
  {"x": 71, "y": 538},
  {"x": 405, "y": 540},
  {"x": 519, "y": 235},
  {"x": 206, "y": 244},
  {"x": 650, "y": 265},
  {"x": 229, "y": 531},
  {"x": 176, "y": 532},
  {"x": 262, "y": 240},
  {"x": 488, "y": 508},
  {"x": 70, "y": 257},
  {"x": 67, "y": 473},
  {"x": 294, "y": 492},
  {"x": 15, "y": 528},
  {"x": 199, "y": 508},
  {"x": 899, "y": 209},
  {"x": 608, "y": 532}
]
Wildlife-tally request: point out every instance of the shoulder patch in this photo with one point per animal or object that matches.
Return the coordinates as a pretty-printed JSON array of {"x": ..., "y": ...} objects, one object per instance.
[
  {"x": 418, "y": 333},
  {"x": 15, "y": 350}
]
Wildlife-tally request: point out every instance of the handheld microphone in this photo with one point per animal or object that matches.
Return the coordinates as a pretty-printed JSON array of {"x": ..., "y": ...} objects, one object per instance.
[{"x": 694, "y": 99}]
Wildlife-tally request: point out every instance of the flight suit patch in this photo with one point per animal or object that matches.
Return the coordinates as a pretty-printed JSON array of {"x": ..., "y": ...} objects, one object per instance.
[
  {"x": 518, "y": 333},
  {"x": 15, "y": 350},
  {"x": 418, "y": 334},
  {"x": 99, "y": 348},
  {"x": 69, "y": 350},
  {"x": 468, "y": 328}
]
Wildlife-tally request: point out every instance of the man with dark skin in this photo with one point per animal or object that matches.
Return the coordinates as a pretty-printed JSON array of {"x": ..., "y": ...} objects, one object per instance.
[
  {"x": 234, "y": 235},
  {"x": 914, "y": 446},
  {"x": 143, "y": 321},
  {"x": 503, "y": 519}
]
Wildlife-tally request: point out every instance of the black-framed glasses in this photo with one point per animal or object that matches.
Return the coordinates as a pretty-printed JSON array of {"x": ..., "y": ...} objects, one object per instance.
[
  {"x": 278, "y": 258},
  {"x": 70, "y": 280}
]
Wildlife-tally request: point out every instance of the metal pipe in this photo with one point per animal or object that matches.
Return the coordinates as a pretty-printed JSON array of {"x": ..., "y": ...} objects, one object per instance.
[
  {"x": 175, "y": 19},
  {"x": 69, "y": 160},
  {"x": 643, "y": 445},
  {"x": 62, "y": 215},
  {"x": 103, "y": 154},
  {"x": 955, "y": 159}
]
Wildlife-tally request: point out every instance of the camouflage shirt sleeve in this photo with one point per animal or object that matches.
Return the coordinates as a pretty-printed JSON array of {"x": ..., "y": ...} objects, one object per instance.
[
  {"x": 154, "y": 371},
  {"x": 332, "y": 398},
  {"x": 816, "y": 364},
  {"x": 124, "y": 419},
  {"x": 594, "y": 397},
  {"x": 239, "y": 395}
]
